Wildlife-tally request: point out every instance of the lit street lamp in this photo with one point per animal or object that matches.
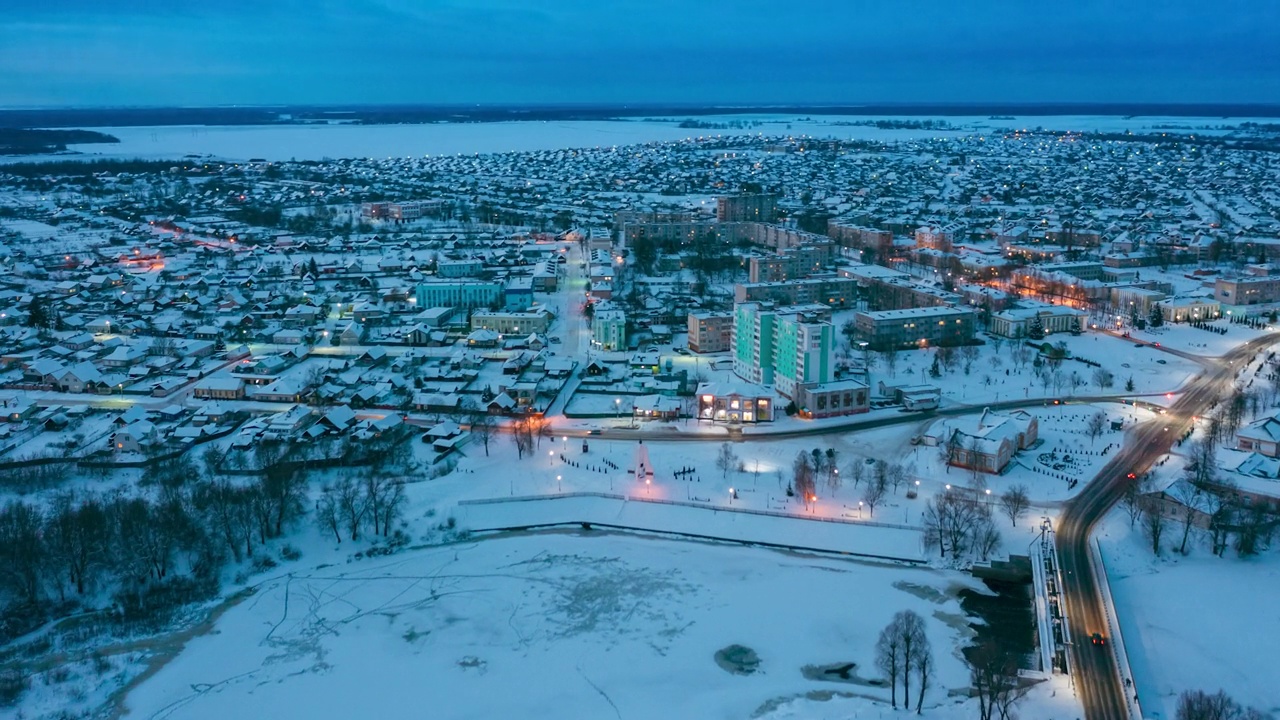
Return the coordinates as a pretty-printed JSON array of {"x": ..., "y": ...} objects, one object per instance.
[
  {"x": 558, "y": 486},
  {"x": 859, "y": 509},
  {"x": 730, "y": 496}
]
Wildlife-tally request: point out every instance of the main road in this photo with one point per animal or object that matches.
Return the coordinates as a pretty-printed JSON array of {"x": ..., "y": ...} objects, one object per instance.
[{"x": 1102, "y": 691}]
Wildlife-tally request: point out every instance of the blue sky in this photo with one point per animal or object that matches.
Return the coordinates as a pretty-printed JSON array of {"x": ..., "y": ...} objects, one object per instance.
[{"x": 175, "y": 52}]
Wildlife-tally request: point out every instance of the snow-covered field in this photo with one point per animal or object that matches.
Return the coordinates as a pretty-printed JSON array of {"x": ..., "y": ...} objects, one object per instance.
[
  {"x": 557, "y": 625},
  {"x": 315, "y": 142},
  {"x": 1199, "y": 342},
  {"x": 1195, "y": 622}
]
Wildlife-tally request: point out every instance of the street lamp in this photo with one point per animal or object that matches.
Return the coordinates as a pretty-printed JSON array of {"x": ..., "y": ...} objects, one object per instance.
[
  {"x": 551, "y": 454},
  {"x": 617, "y": 408},
  {"x": 859, "y": 509},
  {"x": 730, "y": 496},
  {"x": 647, "y": 483},
  {"x": 558, "y": 486}
]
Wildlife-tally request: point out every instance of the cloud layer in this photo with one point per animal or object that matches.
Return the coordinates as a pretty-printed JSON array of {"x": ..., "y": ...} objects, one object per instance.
[{"x": 167, "y": 52}]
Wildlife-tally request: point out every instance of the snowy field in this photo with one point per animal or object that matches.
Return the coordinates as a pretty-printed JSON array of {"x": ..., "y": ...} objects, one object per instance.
[
  {"x": 1200, "y": 342},
  {"x": 1195, "y": 622},
  {"x": 557, "y": 625},
  {"x": 316, "y": 142}
]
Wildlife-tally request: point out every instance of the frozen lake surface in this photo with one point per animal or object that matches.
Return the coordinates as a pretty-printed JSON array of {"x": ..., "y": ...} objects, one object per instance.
[{"x": 316, "y": 142}]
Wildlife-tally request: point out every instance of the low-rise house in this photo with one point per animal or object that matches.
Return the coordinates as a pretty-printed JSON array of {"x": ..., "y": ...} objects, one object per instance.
[
  {"x": 1261, "y": 436},
  {"x": 992, "y": 445},
  {"x": 136, "y": 437},
  {"x": 220, "y": 388},
  {"x": 734, "y": 403}
]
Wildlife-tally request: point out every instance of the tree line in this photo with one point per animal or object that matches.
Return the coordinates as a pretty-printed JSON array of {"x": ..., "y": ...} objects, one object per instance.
[{"x": 166, "y": 541}]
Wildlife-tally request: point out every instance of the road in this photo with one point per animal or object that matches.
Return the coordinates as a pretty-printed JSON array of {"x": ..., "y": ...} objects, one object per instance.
[
  {"x": 1101, "y": 691},
  {"x": 668, "y": 433}
]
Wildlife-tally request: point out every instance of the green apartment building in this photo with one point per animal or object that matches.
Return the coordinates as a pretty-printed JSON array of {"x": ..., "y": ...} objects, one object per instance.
[{"x": 781, "y": 350}]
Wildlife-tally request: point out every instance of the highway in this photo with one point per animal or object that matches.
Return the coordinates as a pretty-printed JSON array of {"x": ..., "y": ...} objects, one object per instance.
[{"x": 1102, "y": 692}]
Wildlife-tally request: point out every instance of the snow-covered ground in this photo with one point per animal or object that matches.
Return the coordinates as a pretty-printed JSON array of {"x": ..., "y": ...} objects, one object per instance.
[
  {"x": 1197, "y": 341},
  {"x": 558, "y": 625},
  {"x": 1194, "y": 622}
]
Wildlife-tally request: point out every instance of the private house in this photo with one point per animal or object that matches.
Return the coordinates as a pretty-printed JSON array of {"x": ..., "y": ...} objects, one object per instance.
[
  {"x": 219, "y": 388},
  {"x": 1261, "y": 436}
]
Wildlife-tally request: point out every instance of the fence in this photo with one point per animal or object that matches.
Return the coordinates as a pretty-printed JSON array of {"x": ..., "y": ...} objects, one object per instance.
[
  {"x": 1117, "y": 640},
  {"x": 685, "y": 503},
  {"x": 678, "y": 533}
]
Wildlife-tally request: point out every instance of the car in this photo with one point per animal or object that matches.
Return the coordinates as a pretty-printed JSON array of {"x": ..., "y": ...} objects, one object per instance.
[
  {"x": 1139, "y": 345},
  {"x": 593, "y": 432},
  {"x": 1155, "y": 344},
  {"x": 1162, "y": 362},
  {"x": 1132, "y": 476},
  {"x": 555, "y": 340},
  {"x": 1124, "y": 365},
  {"x": 1098, "y": 639}
]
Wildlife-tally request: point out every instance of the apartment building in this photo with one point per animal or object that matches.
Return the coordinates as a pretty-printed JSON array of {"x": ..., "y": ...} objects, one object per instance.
[
  {"x": 761, "y": 207},
  {"x": 461, "y": 294},
  {"x": 915, "y": 327},
  {"x": 790, "y": 264},
  {"x": 710, "y": 331},
  {"x": 609, "y": 330},
  {"x": 832, "y": 291},
  {"x": 786, "y": 351}
]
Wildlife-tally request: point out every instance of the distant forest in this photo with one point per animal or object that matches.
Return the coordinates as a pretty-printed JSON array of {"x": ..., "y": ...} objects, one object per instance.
[{"x": 19, "y": 141}]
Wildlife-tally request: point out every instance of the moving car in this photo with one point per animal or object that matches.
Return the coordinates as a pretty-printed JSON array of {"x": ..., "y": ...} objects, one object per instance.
[{"x": 1098, "y": 639}]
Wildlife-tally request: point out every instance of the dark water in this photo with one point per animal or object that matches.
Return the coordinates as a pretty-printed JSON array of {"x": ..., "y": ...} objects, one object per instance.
[{"x": 1006, "y": 619}]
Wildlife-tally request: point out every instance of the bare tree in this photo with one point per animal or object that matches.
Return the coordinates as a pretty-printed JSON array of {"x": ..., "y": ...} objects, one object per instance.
[
  {"x": 1152, "y": 521},
  {"x": 329, "y": 514},
  {"x": 352, "y": 505},
  {"x": 910, "y": 628},
  {"x": 1219, "y": 504},
  {"x": 889, "y": 658},
  {"x": 1199, "y": 705},
  {"x": 1094, "y": 426},
  {"x": 1190, "y": 500},
  {"x": 857, "y": 470},
  {"x": 483, "y": 425},
  {"x": 920, "y": 659},
  {"x": 726, "y": 459},
  {"x": 889, "y": 356},
  {"x": 874, "y": 493},
  {"x": 959, "y": 524},
  {"x": 1014, "y": 502},
  {"x": 1103, "y": 379},
  {"x": 522, "y": 437},
  {"x": 994, "y": 675},
  {"x": 1132, "y": 500},
  {"x": 896, "y": 475}
]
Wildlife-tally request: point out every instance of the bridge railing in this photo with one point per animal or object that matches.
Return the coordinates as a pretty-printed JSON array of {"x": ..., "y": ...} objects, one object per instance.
[{"x": 1116, "y": 640}]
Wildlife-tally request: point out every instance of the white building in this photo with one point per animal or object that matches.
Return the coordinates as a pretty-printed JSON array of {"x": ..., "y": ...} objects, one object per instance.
[{"x": 609, "y": 330}]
